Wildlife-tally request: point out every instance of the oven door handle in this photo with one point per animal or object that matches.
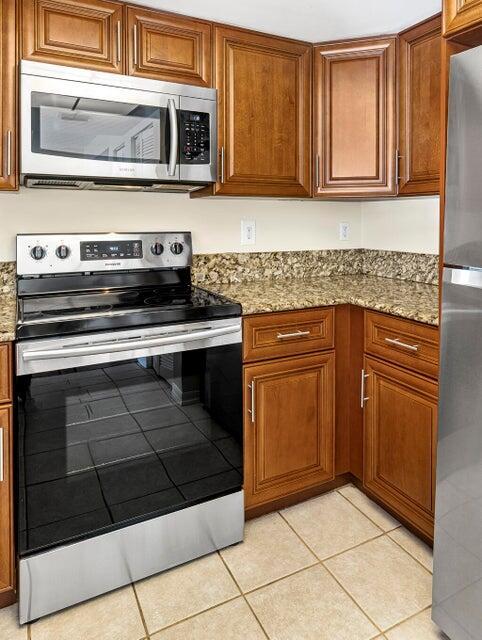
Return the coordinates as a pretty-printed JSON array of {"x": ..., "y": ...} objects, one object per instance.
[{"x": 128, "y": 345}]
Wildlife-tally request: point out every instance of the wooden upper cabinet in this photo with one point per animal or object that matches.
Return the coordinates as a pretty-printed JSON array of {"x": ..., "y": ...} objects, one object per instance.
[
  {"x": 400, "y": 441},
  {"x": 168, "y": 47},
  {"x": 8, "y": 97},
  {"x": 420, "y": 108},
  {"x": 77, "y": 33},
  {"x": 460, "y": 16},
  {"x": 355, "y": 118},
  {"x": 264, "y": 115},
  {"x": 289, "y": 424}
]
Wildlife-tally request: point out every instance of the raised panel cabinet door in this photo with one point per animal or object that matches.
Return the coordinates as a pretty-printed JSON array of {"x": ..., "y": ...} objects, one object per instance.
[
  {"x": 7, "y": 554},
  {"x": 168, "y": 47},
  {"x": 77, "y": 33},
  {"x": 289, "y": 426},
  {"x": 8, "y": 97},
  {"x": 420, "y": 63},
  {"x": 264, "y": 116},
  {"x": 400, "y": 441},
  {"x": 461, "y": 15},
  {"x": 355, "y": 118}
]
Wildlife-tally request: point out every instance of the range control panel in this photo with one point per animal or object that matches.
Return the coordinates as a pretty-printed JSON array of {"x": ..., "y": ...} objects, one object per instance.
[
  {"x": 49, "y": 254},
  {"x": 194, "y": 137},
  {"x": 102, "y": 250}
]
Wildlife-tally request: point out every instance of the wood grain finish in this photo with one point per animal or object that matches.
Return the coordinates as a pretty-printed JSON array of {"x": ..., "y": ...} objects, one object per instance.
[
  {"x": 5, "y": 373},
  {"x": 419, "y": 108},
  {"x": 264, "y": 116},
  {"x": 381, "y": 330},
  {"x": 400, "y": 441},
  {"x": 8, "y": 97},
  {"x": 77, "y": 33},
  {"x": 460, "y": 17},
  {"x": 168, "y": 47},
  {"x": 314, "y": 329},
  {"x": 289, "y": 445},
  {"x": 355, "y": 118},
  {"x": 7, "y": 543}
]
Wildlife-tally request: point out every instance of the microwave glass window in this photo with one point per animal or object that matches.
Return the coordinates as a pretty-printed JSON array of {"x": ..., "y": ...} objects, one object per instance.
[{"x": 78, "y": 127}]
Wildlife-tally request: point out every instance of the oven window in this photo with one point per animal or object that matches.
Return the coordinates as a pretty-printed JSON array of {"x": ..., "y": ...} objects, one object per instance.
[
  {"x": 99, "y": 129},
  {"x": 105, "y": 446}
]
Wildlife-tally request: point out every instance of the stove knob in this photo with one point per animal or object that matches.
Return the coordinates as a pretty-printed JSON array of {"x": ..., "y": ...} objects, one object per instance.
[
  {"x": 62, "y": 252},
  {"x": 177, "y": 248},
  {"x": 157, "y": 249},
  {"x": 37, "y": 252}
]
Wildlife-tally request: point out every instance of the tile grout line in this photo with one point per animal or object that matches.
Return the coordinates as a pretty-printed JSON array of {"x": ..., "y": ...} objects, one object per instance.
[
  {"x": 410, "y": 554},
  {"x": 243, "y": 596},
  {"x": 414, "y": 615},
  {"x": 399, "y": 525},
  {"x": 140, "y": 611},
  {"x": 334, "y": 578}
]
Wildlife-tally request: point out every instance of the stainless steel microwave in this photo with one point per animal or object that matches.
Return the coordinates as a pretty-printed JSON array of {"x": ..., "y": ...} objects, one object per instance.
[{"x": 84, "y": 129}]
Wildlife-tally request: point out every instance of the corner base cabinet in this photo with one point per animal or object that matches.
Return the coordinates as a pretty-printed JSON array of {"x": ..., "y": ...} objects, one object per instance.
[
  {"x": 7, "y": 546},
  {"x": 400, "y": 441},
  {"x": 289, "y": 426}
]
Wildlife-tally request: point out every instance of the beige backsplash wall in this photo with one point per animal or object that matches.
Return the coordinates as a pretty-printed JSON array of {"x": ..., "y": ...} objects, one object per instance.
[{"x": 281, "y": 225}]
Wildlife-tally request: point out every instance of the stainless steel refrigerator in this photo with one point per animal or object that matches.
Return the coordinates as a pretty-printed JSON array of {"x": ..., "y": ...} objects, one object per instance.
[{"x": 457, "y": 591}]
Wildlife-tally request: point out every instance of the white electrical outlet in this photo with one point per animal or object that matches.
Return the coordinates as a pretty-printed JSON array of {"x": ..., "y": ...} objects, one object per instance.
[
  {"x": 248, "y": 232},
  {"x": 344, "y": 230}
]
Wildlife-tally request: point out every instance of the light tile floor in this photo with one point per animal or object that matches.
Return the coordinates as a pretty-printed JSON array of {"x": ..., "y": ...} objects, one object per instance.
[{"x": 336, "y": 567}]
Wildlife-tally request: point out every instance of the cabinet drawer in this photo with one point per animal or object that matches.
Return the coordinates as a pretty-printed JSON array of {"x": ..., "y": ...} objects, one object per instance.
[
  {"x": 5, "y": 374},
  {"x": 274, "y": 335},
  {"x": 403, "y": 342}
]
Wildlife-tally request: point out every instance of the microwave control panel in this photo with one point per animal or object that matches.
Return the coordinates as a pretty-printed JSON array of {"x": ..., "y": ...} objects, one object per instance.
[{"x": 194, "y": 137}]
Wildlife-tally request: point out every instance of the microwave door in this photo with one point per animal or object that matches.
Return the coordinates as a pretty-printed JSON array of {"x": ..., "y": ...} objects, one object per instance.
[{"x": 87, "y": 130}]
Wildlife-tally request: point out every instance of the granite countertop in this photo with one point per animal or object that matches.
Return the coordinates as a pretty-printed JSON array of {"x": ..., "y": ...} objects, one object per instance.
[
  {"x": 411, "y": 300},
  {"x": 8, "y": 316}
]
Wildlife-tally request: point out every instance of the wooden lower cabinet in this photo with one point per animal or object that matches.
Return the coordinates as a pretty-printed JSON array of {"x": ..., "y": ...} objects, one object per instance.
[
  {"x": 400, "y": 441},
  {"x": 7, "y": 557},
  {"x": 289, "y": 426}
]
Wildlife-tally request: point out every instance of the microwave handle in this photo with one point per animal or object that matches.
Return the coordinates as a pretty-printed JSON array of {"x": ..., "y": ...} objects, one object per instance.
[{"x": 171, "y": 105}]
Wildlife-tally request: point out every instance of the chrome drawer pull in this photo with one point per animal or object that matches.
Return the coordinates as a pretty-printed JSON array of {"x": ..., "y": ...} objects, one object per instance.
[
  {"x": 404, "y": 345},
  {"x": 297, "y": 334},
  {"x": 252, "y": 411}
]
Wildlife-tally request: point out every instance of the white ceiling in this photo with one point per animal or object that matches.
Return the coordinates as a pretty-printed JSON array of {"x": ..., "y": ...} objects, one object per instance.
[{"x": 312, "y": 20}]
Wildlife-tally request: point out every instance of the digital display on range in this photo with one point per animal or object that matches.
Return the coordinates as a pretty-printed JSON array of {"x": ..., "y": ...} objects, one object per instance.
[{"x": 124, "y": 250}]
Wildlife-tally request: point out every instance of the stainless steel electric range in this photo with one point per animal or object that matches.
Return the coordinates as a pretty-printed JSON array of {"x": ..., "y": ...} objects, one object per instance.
[{"x": 129, "y": 414}]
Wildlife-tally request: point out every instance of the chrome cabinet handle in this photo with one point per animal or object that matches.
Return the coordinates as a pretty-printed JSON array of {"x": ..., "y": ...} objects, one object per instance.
[
  {"x": 398, "y": 343},
  {"x": 297, "y": 334},
  {"x": 2, "y": 477},
  {"x": 252, "y": 411},
  {"x": 317, "y": 171},
  {"x": 171, "y": 105},
  {"x": 8, "y": 154},
  {"x": 221, "y": 151},
  {"x": 134, "y": 37},
  {"x": 363, "y": 398},
  {"x": 119, "y": 43}
]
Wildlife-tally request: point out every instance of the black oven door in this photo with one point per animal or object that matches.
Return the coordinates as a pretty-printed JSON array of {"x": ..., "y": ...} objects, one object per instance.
[{"x": 135, "y": 435}]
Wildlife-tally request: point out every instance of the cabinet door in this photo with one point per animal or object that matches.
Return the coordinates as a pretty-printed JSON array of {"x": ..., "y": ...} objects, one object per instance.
[
  {"x": 400, "y": 441},
  {"x": 168, "y": 47},
  {"x": 355, "y": 118},
  {"x": 288, "y": 426},
  {"x": 85, "y": 33},
  {"x": 7, "y": 575},
  {"x": 8, "y": 97},
  {"x": 420, "y": 108},
  {"x": 264, "y": 114},
  {"x": 461, "y": 15}
]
